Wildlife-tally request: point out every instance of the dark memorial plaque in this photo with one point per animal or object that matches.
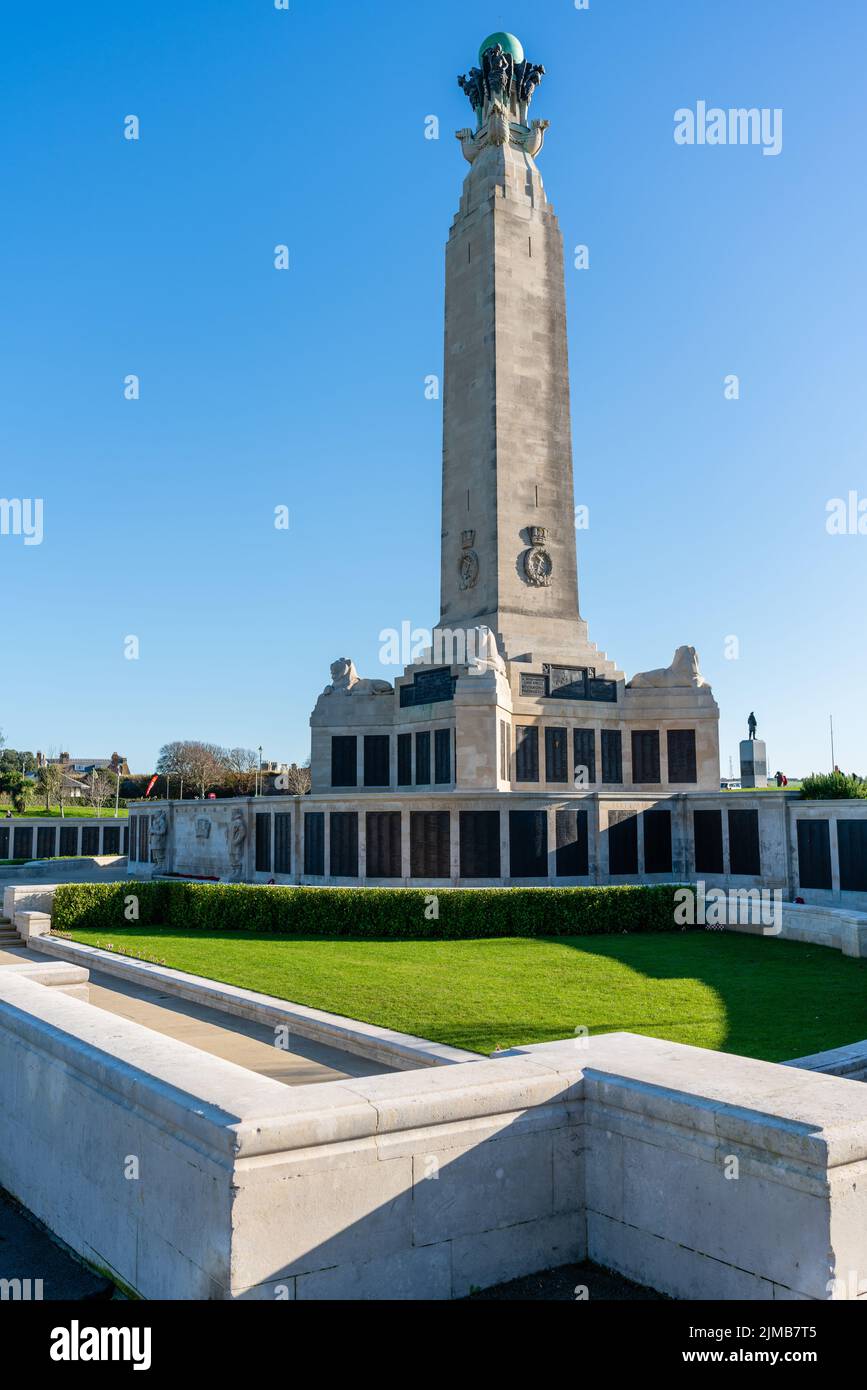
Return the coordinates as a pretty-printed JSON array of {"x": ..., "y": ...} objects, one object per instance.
[
  {"x": 599, "y": 689},
  {"x": 584, "y": 757},
  {"x": 110, "y": 840},
  {"x": 46, "y": 839},
  {"x": 377, "y": 769},
  {"x": 382, "y": 829},
  {"x": 428, "y": 688},
  {"x": 528, "y": 844},
  {"x": 4, "y": 842},
  {"x": 645, "y": 755},
  {"x": 422, "y": 759},
  {"x": 622, "y": 842},
  {"x": 567, "y": 682},
  {"x": 22, "y": 842},
  {"x": 657, "y": 841},
  {"x": 344, "y": 761},
  {"x": 852, "y": 843},
  {"x": 442, "y": 755},
  {"x": 344, "y": 844},
  {"x": 573, "y": 859},
  {"x": 132, "y": 845},
  {"x": 430, "y": 844},
  {"x": 814, "y": 853},
  {"x": 283, "y": 842},
  {"x": 556, "y": 757},
  {"x": 314, "y": 843},
  {"x": 263, "y": 842},
  {"x": 744, "y": 853},
  {"x": 526, "y": 753},
  {"x": 90, "y": 839},
  {"x": 612, "y": 756},
  {"x": 480, "y": 844},
  {"x": 533, "y": 685},
  {"x": 404, "y": 760},
  {"x": 681, "y": 755},
  {"x": 144, "y": 849},
  {"x": 708, "y": 834},
  {"x": 126, "y": 838},
  {"x": 68, "y": 841}
]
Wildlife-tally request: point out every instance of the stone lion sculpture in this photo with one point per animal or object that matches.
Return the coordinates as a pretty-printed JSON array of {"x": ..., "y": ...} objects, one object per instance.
[
  {"x": 345, "y": 680},
  {"x": 482, "y": 651},
  {"x": 684, "y": 670}
]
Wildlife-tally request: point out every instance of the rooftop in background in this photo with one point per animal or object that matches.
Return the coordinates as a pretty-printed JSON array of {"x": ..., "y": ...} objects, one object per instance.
[{"x": 116, "y": 763}]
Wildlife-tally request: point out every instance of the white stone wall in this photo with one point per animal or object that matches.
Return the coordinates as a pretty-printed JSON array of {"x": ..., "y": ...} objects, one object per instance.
[
  {"x": 700, "y": 1174},
  {"x": 188, "y": 853}
]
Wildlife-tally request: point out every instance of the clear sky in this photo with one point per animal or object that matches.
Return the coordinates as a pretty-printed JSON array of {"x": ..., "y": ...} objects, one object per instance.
[{"x": 305, "y": 388}]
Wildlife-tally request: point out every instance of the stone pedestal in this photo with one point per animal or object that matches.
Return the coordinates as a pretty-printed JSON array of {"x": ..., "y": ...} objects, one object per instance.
[{"x": 754, "y": 763}]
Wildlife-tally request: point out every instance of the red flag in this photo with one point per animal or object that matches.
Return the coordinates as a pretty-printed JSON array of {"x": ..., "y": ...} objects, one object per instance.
[{"x": 151, "y": 784}]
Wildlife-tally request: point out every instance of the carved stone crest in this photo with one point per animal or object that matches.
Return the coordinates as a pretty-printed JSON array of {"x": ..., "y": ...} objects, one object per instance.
[
  {"x": 538, "y": 565},
  {"x": 468, "y": 564}
]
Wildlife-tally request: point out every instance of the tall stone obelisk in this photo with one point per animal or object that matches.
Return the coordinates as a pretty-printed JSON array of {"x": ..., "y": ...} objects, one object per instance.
[{"x": 508, "y": 532}]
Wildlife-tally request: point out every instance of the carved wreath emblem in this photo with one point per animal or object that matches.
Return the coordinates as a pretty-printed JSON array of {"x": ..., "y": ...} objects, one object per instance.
[
  {"x": 538, "y": 565},
  {"x": 468, "y": 565}
]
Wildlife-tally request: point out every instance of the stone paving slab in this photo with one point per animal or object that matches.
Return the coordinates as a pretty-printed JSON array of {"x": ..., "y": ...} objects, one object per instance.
[{"x": 238, "y": 1040}]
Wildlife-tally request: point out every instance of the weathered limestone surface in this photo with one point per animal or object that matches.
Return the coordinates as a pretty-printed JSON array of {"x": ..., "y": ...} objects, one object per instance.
[{"x": 425, "y": 1184}]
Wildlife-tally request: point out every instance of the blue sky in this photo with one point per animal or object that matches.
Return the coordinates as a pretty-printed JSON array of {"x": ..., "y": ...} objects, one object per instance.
[{"x": 305, "y": 388}]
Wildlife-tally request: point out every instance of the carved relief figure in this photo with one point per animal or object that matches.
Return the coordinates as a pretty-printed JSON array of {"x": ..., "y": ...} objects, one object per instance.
[
  {"x": 158, "y": 837},
  {"x": 237, "y": 835}
]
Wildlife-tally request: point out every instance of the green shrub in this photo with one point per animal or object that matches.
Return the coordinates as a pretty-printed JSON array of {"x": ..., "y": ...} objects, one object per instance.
[
  {"x": 367, "y": 912},
  {"x": 832, "y": 786}
]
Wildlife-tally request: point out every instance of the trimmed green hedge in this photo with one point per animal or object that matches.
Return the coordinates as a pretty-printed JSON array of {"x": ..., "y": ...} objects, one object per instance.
[
  {"x": 373, "y": 912},
  {"x": 832, "y": 786}
]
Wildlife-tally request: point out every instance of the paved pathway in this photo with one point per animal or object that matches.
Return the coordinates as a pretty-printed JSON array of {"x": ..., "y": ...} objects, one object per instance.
[
  {"x": 28, "y": 1252},
  {"x": 250, "y": 1045}
]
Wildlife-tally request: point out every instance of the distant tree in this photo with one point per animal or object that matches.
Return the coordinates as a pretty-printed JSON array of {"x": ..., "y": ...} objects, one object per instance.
[
  {"x": 17, "y": 761},
  {"x": 297, "y": 779},
  {"x": 101, "y": 787},
  {"x": 202, "y": 765},
  {"x": 49, "y": 780},
  {"x": 240, "y": 760},
  {"x": 15, "y": 787},
  {"x": 239, "y": 770}
]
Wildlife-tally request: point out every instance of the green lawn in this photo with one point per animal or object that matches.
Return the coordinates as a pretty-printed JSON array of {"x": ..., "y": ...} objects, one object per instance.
[{"x": 750, "y": 995}]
